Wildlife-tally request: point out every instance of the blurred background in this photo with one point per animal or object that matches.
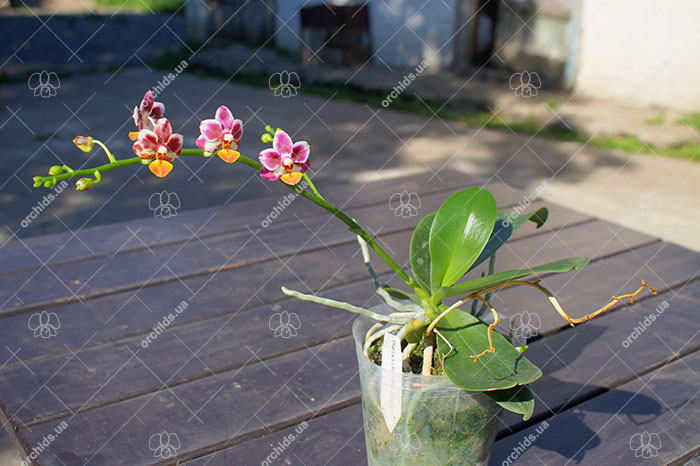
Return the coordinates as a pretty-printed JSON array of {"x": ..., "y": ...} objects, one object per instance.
[{"x": 593, "y": 104}]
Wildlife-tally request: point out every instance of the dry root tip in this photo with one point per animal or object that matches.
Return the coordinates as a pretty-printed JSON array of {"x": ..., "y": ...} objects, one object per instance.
[
  {"x": 615, "y": 300},
  {"x": 491, "y": 349}
]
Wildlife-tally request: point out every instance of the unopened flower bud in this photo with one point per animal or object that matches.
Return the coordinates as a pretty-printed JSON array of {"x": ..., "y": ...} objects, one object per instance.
[
  {"x": 37, "y": 181},
  {"x": 84, "y": 143},
  {"x": 83, "y": 184},
  {"x": 50, "y": 183},
  {"x": 266, "y": 138},
  {"x": 55, "y": 170}
]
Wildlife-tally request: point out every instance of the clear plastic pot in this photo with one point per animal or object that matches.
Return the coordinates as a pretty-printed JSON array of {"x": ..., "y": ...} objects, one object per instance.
[{"x": 440, "y": 423}]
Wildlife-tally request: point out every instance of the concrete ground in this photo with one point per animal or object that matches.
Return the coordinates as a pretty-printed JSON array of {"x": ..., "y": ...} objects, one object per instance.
[
  {"x": 350, "y": 142},
  {"x": 484, "y": 89}
]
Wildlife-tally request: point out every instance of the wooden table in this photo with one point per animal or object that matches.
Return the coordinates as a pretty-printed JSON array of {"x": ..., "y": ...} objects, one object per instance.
[{"x": 87, "y": 381}]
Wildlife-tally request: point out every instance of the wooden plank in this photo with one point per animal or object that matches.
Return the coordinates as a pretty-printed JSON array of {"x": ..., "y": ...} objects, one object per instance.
[
  {"x": 134, "y": 312},
  {"x": 336, "y": 439},
  {"x": 31, "y": 289},
  {"x": 206, "y": 414},
  {"x": 608, "y": 428},
  {"x": 136, "y": 375},
  {"x": 579, "y": 363},
  {"x": 106, "y": 239}
]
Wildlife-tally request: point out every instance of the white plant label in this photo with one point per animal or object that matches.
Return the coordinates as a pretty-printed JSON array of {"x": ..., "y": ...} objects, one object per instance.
[{"x": 391, "y": 384}]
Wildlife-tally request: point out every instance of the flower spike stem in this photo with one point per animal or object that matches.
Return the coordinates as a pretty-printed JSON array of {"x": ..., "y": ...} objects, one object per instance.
[
  {"x": 110, "y": 156},
  {"x": 353, "y": 226},
  {"x": 89, "y": 171},
  {"x": 307, "y": 178}
]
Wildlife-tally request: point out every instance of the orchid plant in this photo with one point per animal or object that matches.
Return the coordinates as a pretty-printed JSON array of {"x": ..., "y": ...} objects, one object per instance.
[{"x": 442, "y": 317}]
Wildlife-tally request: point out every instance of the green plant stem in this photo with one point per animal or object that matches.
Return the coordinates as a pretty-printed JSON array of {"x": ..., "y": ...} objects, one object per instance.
[
  {"x": 315, "y": 198},
  {"x": 352, "y": 224},
  {"x": 70, "y": 173},
  {"x": 307, "y": 178},
  {"x": 110, "y": 156}
]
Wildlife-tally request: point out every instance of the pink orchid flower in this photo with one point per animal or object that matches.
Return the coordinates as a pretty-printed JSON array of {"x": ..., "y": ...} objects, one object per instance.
[
  {"x": 221, "y": 135},
  {"x": 147, "y": 114},
  {"x": 161, "y": 145},
  {"x": 286, "y": 160}
]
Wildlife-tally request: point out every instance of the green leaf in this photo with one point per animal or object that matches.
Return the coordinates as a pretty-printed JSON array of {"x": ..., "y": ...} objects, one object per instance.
[
  {"x": 505, "y": 368},
  {"x": 483, "y": 283},
  {"x": 461, "y": 228},
  {"x": 502, "y": 230},
  {"x": 538, "y": 216},
  {"x": 506, "y": 224},
  {"x": 420, "y": 252},
  {"x": 517, "y": 399}
]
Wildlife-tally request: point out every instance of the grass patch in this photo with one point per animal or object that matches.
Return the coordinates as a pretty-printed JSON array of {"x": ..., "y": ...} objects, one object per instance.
[
  {"x": 551, "y": 102},
  {"x": 691, "y": 120},
  {"x": 656, "y": 120},
  {"x": 471, "y": 116},
  {"x": 144, "y": 6}
]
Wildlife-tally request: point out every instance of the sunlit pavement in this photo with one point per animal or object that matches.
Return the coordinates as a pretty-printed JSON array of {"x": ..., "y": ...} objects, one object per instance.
[{"x": 351, "y": 143}]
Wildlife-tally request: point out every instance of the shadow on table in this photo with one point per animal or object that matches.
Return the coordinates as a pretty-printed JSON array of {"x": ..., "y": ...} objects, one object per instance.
[{"x": 569, "y": 435}]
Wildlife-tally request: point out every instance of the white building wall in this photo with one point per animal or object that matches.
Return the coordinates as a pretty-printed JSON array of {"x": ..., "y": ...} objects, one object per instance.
[
  {"x": 288, "y": 20},
  {"x": 403, "y": 32},
  {"x": 640, "y": 53},
  {"x": 406, "y": 32}
]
